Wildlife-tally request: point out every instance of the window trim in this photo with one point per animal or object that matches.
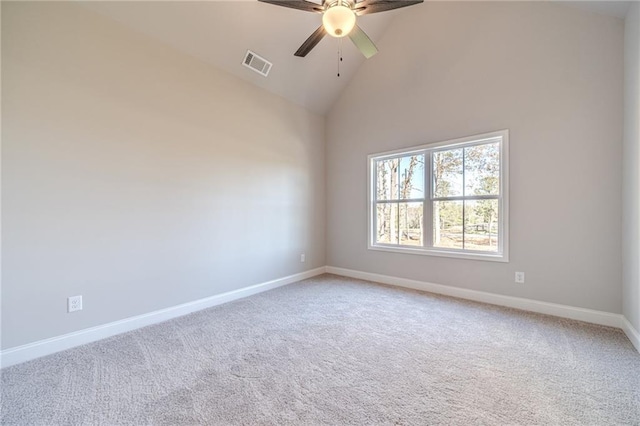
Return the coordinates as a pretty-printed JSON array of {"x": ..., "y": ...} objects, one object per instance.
[{"x": 430, "y": 148}]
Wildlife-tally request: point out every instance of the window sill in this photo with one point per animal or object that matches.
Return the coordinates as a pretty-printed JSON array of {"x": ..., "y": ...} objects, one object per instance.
[{"x": 490, "y": 257}]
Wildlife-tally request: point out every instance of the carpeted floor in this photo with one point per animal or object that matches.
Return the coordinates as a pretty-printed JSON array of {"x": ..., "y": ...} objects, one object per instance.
[{"x": 336, "y": 351}]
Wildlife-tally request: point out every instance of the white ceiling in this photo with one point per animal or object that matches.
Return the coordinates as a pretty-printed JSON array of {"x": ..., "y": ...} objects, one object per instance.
[{"x": 220, "y": 32}]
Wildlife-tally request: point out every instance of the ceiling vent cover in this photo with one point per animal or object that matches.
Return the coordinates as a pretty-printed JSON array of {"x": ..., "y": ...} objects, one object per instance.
[{"x": 257, "y": 63}]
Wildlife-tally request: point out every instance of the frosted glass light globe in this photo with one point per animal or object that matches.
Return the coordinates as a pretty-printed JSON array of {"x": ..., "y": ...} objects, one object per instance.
[{"x": 338, "y": 21}]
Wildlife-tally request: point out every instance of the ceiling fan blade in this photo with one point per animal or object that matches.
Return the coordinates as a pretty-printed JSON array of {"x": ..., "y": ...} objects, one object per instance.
[
  {"x": 367, "y": 7},
  {"x": 363, "y": 42},
  {"x": 296, "y": 4},
  {"x": 311, "y": 42}
]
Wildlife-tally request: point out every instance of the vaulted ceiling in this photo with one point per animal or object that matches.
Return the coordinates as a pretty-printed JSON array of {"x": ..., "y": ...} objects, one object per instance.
[{"x": 220, "y": 32}]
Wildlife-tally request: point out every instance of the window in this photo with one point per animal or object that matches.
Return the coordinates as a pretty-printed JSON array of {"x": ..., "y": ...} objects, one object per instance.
[{"x": 444, "y": 199}]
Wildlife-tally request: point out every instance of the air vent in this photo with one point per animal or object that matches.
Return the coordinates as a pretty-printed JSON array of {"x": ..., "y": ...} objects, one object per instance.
[{"x": 257, "y": 63}]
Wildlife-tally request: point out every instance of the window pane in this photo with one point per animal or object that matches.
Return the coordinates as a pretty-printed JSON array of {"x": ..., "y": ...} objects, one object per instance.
[
  {"x": 481, "y": 225},
  {"x": 482, "y": 169},
  {"x": 447, "y": 173},
  {"x": 387, "y": 179},
  {"x": 410, "y": 221},
  {"x": 387, "y": 223},
  {"x": 412, "y": 177},
  {"x": 447, "y": 224}
]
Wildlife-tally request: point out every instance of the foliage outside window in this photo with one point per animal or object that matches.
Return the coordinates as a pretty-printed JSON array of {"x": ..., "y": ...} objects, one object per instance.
[{"x": 447, "y": 199}]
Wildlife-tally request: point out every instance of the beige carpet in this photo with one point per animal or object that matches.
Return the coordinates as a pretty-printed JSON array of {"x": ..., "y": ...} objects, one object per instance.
[{"x": 335, "y": 351}]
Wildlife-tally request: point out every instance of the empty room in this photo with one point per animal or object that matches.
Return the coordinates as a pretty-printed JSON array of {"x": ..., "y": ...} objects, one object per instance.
[{"x": 320, "y": 212}]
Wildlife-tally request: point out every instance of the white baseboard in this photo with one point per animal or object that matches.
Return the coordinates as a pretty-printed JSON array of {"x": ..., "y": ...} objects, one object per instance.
[
  {"x": 631, "y": 333},
  {"x": 564, "y": 311},
  {"x": 52, "y": 345}
]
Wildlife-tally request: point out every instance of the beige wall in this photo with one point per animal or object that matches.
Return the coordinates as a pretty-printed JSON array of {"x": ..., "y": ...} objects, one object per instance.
[
  {"x": 140, "y": 177},
  {"x": 631, "y": 165},
  {"x": 552, "y": 76}
]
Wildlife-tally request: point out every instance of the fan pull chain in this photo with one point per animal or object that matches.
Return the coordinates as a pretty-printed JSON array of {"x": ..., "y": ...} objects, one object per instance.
[{"x": 339, "y": 54}]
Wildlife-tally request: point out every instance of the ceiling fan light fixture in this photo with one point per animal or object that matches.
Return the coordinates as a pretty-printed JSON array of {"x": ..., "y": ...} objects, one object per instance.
[{"x": 338, "y": 21}]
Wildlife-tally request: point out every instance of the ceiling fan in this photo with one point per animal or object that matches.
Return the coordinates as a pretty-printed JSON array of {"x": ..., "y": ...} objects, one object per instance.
[{"x": 339, "y": 20}]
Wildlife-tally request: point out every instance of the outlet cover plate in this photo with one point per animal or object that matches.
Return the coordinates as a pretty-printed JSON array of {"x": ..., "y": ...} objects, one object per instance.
[{"x": 74, "y": 303}]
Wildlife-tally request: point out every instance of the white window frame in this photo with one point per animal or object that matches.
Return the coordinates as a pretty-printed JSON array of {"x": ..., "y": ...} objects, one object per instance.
[{"x": 502, "y": 255}]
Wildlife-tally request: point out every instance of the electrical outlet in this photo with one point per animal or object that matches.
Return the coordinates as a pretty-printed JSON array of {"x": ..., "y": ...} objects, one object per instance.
[
  {"x": 520, "y": 277},
  {"x": 74, "y": 303},
  {"x": 303, "y": 257}
]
